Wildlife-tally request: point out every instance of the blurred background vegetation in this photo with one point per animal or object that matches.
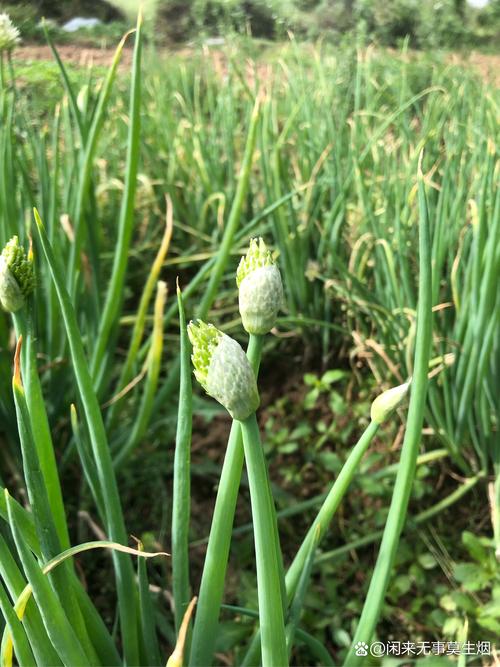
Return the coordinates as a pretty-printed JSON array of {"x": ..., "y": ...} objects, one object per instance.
[{"x": 426, "y": 23}]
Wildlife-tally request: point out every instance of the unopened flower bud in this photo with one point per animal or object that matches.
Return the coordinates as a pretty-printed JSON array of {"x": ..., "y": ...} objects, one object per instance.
[
  {"x": 9, "y": 34},
  {"x": 388, "y": 401},
  {"x": 17, "y": 277},
  {"x": 223, "y": 370},
  {"x": 260, "y": 289}
]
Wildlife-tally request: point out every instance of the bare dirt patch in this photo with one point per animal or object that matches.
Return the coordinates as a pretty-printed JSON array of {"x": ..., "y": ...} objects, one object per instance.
[
  {"x": 488, "y": 65},
  {"x": 78, "y": 55}
]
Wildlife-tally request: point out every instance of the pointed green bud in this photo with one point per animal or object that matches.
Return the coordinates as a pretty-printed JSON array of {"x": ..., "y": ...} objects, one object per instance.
[
  {"x": 388, "y": 401},
  {"x": 223, "y": 370},
  {"x": 260, "y": 289},
  {"x": 17, "y": 276}
]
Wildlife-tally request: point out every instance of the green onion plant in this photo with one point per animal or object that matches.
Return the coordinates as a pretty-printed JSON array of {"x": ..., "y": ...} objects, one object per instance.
[{"x": 321, "y": 158}]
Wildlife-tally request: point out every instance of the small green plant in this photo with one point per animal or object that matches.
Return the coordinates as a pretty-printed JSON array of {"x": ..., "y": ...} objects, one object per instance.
[{"x": 474, "y": 601}]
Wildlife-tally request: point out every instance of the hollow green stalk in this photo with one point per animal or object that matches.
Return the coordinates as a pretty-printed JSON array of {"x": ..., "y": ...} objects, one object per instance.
[
  {"x": 214, "y": 569},
  {"x": 325, "y": 515},
  {"x": 404, "y": 479},
  {"x": 320, "y": 525},
  {"x": 271, "y": 617},
  {"x": 297, "y": 603},
  {"x": 149, "y": 638},
  {"x": 114, "y": 296},
  {"x": 40, "y": 424},
  {"x": 181, "y": 501}
]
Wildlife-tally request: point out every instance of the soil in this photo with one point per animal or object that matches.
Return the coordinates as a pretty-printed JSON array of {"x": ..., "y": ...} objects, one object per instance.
[
  {"x": 75, "y": 54},
  {"x": 488, "y": 65}
]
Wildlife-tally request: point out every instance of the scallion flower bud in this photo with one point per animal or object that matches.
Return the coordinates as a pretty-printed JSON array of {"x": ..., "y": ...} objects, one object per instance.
[
  {"x": 260, "y": 289},
  {"x": 9, "y": 34},
  {"x": 17, "y": 277},
  {"x": 223, "y": 370},
  {"x": 388, "y": 401}
]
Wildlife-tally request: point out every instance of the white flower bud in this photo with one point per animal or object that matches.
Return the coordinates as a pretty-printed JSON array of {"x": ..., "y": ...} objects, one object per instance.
[
  {"x": 9, "y": 34},
  {"x": 260, "y": 289},
  {"x": 223, "y": 370},
  {"x": 388, "y": 401}
]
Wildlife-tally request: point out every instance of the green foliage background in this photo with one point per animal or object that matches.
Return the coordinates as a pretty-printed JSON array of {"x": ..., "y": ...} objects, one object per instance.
[{"x": 428, "y": 24}]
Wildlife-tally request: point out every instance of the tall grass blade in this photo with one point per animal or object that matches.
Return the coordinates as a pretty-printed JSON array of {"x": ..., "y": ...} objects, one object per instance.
[
  {"x": 20, "y": 641},
  {"x": 404, "y": 479},
  {"x": 56, "y": 623},
  {"x": 152, "y": 368},
  {"x": 148, "y": 623},
  {"x": 273, "y": 643},
  {"x": 114, "y": 296},
  {"x": 181, "y": 495},
  {"x": 44, "y": 524},
  {"x": 127, "y": 598},
  {"x": 14, "y": 581},
  {"x": 40, "y": 425},
  {"x": 216, "y": 558}
]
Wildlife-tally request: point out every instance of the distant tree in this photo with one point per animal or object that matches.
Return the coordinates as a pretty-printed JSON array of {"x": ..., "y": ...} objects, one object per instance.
[{"x": 61, "y": 11}]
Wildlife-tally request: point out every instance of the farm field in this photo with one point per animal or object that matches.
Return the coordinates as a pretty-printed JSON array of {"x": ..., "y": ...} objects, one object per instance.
[{"x": 334, "y": 211}]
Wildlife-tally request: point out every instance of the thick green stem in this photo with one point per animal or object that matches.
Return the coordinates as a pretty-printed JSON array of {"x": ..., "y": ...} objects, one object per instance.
[
  {"x": 214, "y": 570},
  {"x": 114, "y": 296},
  {"x": 495, "y": 510},
  {"x": 181, "y": 501},
  {"x": 404, "y": 479},
  {"x": 321, "y": 524},
  {"x": 329, "y": 507},
  {"x": 271, "y": 619},
  {"x": 40, "y": 425}
]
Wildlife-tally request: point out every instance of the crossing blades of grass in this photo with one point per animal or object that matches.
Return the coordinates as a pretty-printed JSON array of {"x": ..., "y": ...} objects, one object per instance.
[
  {"x": 20, "y": 641},
  {"x": 152, "y": 370},
  {"x": 44, "y": 524},
  {"x": 29, "y": 590},
  {"x": 59, "y": 629}
]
